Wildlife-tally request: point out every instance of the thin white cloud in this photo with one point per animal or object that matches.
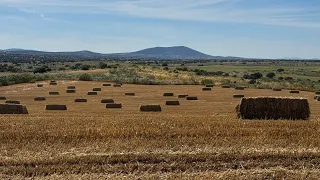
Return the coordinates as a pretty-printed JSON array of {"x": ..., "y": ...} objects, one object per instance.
[{"x": 185, "y": 10}]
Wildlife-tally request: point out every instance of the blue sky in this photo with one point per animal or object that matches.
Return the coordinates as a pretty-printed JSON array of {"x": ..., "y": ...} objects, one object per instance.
[{"x": 246, "y": 28}]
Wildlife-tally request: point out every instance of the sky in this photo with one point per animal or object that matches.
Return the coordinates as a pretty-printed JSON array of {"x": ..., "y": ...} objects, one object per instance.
[{"x": 244, "y": 28}]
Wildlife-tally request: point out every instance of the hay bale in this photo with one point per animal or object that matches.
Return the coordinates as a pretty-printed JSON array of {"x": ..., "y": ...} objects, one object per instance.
[
  {"x": 172, "y": 103},
  {"x": 239, "y": 88},
  {"x": 182, "y": 96},
  {"x": 53, "y": 84},
  {"x": 206, "y": 89},
  {"x": 53, "y": 81},
  {"x": 317, "y": 93},
  {"x": 209, "y": 85},
  {"x": 276, "y": 89},
  {"x": 12, "y": 102},
  {"x": 56, "y": 107},
  {"x": 273, "y": 108},
  {"x": 168, "y": 94},
  {"x": 3, "y": 98},
  {"x": 106, "y": 84},
  {"x": 238, "y": 96},
  {"x": 192, "y": 98},
  {"x": 113, "y": 106},
  {"x": 71, "y": 91},
  {"x": 71, "y": 87},
  {"x": 104, "y": 101},
  {"x": 54, "y": 93},
  {"x": 129, "y": 94},
  {"x": 117, "y": 85},
  {"x": 39, "y": 85},
  {"x": 225, "y": 86},
  {"x": 80, "y": 100},
  {"x": 294, "y": 92},
  {"x": 96, "y": 89},
  {"x": 13, "y": 109},
  {"x": 40, "y": 99},
  {"x": 92, "y": 93},
  {"x": 150, "y": 108}
]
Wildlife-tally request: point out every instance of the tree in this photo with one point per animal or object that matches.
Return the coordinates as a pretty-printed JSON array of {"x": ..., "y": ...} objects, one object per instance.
[
  {"x": 85, "y": 67},
  {"x": 85, "y": 77},
  {"x": 271, "y": 75},
  {"x": 103, "y": 65}
]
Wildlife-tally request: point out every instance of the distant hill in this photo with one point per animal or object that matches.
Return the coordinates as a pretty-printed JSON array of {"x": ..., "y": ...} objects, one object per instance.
[{"x": 176, "y": 52}]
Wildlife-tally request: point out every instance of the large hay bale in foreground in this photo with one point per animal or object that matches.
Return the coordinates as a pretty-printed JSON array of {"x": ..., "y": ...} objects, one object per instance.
[
  {"x": 182, "y": 96},
  {"x": 192, "y": 98},
  {"x": 168, "y": 94},
  {"x": 172, "y": 103},
  {"x": 225, "y": 86},
  {"x": 56, "y": 107},
  {"x": 276, "y": 89},
  {"x": 238, "y": 96},
  {"x": 274, "y": 108},
  {"x": 104, "y": 101},
  {"x": 239, "y": 88},
  {"x": 92, "y": 93},
  {"x": 53, "y": 93},
  {"x": 129, "y": 94},
  {"x": 106, "y": 84},
  {"x": 39, "y": 85},
  {"x": 71, "y": 91},
  {"x": 39, "y": 99},
  {"x": 71, "y": 87},
  {"x": 209, "y": 85},
  {"x": 113, "y": 106},
  {"x": 150, "y": 108},
  {"x": 13, "y": 109},
  {"x": 206, "y": 89},
  {"x": 12, "y": 102},
  {"x": 294, "y": 92},
  {"x": 3, "y": 98},
  {"x": 80, "y": 100}
]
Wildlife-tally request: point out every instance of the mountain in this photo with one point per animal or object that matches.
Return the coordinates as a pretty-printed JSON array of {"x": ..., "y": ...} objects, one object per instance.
[{"x": 175, "y": 52}]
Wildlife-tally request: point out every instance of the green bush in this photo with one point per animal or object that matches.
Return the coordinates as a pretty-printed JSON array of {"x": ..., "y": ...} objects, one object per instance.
[
  {"x": 85, "y": 77},
  {"x": 207, "y": 81}
]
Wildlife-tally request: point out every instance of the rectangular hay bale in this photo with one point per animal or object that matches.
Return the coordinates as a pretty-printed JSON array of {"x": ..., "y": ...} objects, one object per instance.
[
  {"x": 238, "y": 96},
  {"x": 12, "y": 102},
  {"x": 92, "y": 93},
  {"x": 276, "y": 89},
  {"x": 80, "y": 100},
  {"x": 39, "y": 85},
  {"x": 53, "y": 84},
  {"x": 294, "y": 92},
  {"x": 150, "y": 108},
  {"x": 104, "y": 101},
  {"x": 96, "y": 89},
  {"x": 54, "y": 93},
  {"x": 71, "y": 91},
  {"x": 113, "y": 106},
  {"x": 56, "y": 107},
  {"x": 39, "y": 99},
  {"x": 129, "y": 94},
  {"x": 168, "y": 94},
  {"x": 117, "y": 85},
  {"x": 206, "y": 89},
  {"x": 172, "y": 103},
  {"x": 209, "y": 85},
  {"x": 106, "y": 85},
  {"x": 71, "y": 87},
  {"x": 3, "y": 98},
  {"x": 192, "y": 98},
  {"x": 225, "y": 86},
  {"x": 13, "y": 109},
  {"x": 182, "y": 96},
  {"x": 273, "y": 108}
]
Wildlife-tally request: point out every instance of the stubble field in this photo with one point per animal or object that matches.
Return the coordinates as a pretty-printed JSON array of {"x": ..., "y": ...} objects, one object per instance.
[{"x": 198, "y": 139}]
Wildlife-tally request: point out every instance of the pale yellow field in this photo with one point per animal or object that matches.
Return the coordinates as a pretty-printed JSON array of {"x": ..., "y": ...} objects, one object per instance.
[{"x": 198, "y": 139}]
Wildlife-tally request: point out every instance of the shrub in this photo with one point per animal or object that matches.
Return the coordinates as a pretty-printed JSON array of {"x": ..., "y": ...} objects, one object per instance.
[
  {"x": 85, "y": 77},
  {"x": 207, "y": 81},
  {"x": 85, "y": 67},
  {"x": 271, "y": 75}
]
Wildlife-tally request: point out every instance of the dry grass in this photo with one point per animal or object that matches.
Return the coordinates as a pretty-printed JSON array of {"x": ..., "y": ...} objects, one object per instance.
[{"x": 197, "y": 140}]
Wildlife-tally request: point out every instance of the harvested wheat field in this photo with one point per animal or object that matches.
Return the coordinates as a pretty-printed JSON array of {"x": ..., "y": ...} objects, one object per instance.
[{"x": 200, "y": 139}]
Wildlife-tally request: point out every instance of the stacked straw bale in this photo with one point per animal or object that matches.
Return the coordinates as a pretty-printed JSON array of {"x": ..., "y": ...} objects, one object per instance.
[
  {"x": 13, "y": 109},
  {"x": 80, "y": 100},
  {"x": 130, "y": 94},
  {"x": 96, "y": 89},
  {"x": 238, "y": 96},
  {"x": 39, "y": 85},
  {"x": 294, "y": 92},
  {"x": 53, "y": 93},
  {"x": 92, "y": 93},
  {"x": 192, "y": 98},
  {"x": 71, "y": 87},
  {"x": 71, "y": 91},
  {"x": 273, "y": 108},
  {"x": 106, "y": 84},
  {"x": 168, "y": 94}
]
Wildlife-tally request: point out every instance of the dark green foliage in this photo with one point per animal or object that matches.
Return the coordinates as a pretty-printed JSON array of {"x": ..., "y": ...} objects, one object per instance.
[{"x": 85, "y": 77}]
